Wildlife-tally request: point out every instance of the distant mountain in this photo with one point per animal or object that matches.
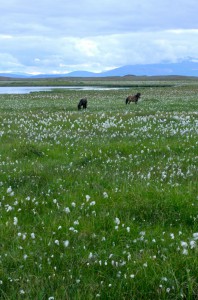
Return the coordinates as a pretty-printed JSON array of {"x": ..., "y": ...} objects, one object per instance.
[
  {"x": 184, "y": 68},
  {"x": 82, "y": 74},
  {"x": 15, "y": 75},
  {"x": 71, "y": 74}
]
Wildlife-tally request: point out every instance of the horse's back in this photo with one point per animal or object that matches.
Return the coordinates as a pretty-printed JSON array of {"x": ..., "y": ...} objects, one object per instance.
[{"x": 130, "y": 99}]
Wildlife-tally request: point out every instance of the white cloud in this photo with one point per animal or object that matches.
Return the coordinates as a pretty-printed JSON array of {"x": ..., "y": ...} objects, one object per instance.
[{"x": 7, "y": 60}]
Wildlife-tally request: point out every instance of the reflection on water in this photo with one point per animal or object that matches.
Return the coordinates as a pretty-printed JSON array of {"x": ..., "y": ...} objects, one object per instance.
[{"x": 30, "y": 89}]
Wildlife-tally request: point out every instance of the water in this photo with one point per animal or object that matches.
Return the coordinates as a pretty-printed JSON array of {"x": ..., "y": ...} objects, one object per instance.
[{"x": 30, "y": 89}]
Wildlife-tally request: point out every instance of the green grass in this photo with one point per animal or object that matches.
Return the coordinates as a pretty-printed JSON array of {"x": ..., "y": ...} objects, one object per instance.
[{"x": 100, "y": 203}]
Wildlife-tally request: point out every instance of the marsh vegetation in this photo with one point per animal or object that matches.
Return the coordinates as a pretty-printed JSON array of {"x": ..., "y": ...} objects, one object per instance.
[{"x": 100, "y": 203}]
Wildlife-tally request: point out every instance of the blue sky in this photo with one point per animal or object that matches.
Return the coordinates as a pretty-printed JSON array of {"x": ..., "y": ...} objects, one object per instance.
[{"x": 47, "y": 36}]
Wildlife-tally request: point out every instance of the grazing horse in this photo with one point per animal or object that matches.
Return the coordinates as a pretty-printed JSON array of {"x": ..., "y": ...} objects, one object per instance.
[
  {"x": 82, "y": 103},
  {"x": 133, "y": 98}
]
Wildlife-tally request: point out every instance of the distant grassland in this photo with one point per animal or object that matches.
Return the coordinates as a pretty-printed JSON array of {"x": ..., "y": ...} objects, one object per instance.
[
  {"x": 101, "y": 203},
  {"x": 124, "y": 81}
]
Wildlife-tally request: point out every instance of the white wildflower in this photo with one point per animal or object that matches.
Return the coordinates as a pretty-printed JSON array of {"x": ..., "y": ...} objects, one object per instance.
[
  {"x": 8, "y": 208},
  {"x": 142, "y": 232},
  {"x": 164, "y": 279},
  {"x": 185, "y": 251},
  {"x": 67, "y": 210},
  {"x": 87, "y": 198},
  {"x": 117, "y": 221},
  {"x": 66, "y": 243},
  {"x": 192, "y": 244},
  {"x": 9, "y": 190},
  {"x": 15, "y": 221},
  {"x": 184, "y": 244},
  {"x": 172, "y": 236},
  {"x": 33, "y": 235},
  {"x": 145, "y": 265},
  {"x": 105, "y": 195}
]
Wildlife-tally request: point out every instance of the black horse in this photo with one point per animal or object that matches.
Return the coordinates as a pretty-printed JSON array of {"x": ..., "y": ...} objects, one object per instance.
[
  {"x": 82, "y": 103},
  {"x": 133, "y": 98}
]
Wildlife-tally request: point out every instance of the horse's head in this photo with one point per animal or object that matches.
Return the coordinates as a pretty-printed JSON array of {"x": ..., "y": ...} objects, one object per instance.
[{"x": 138, "y": 95}]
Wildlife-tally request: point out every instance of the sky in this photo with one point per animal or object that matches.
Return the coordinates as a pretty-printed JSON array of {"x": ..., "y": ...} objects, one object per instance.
[{"x": 61, "y": 36}]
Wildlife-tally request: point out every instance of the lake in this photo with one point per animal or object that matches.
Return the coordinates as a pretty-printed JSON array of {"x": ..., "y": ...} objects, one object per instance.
[{"x": 30, "y": 89}]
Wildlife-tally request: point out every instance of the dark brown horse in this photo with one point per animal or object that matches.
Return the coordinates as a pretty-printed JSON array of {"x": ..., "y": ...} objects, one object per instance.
[
  {"x": 82, "y": 103},
  {"x": 133, "y": 98}
]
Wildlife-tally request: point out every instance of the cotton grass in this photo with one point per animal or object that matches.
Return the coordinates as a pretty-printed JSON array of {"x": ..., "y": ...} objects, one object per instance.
[{"x": 101, "y": 203}]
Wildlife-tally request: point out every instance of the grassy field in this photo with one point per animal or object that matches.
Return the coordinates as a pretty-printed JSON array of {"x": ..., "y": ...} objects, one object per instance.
[{"x": 100, "y": 203}]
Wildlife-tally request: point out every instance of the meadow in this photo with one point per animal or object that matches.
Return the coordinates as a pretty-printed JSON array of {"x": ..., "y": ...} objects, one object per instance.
[{"x": 102, "y": 203}]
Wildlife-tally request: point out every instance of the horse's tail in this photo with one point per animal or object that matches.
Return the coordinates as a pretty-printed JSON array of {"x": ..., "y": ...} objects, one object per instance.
[{"x": 127, "y": 100}]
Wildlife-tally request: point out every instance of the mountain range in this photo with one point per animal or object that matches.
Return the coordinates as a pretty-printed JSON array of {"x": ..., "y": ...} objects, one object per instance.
[{"x": 184, "y": 68}]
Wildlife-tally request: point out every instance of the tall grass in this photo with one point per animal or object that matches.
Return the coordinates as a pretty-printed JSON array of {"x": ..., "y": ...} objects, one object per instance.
[{"x": 100, "y": 203}]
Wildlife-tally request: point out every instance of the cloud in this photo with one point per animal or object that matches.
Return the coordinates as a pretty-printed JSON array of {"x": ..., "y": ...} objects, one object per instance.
[
  {"x": 87, "y": 17},
  {"x": 8, "y": 61},
  {"x": 38, "y": 54},
  {"x": 61, "y": 36}
]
